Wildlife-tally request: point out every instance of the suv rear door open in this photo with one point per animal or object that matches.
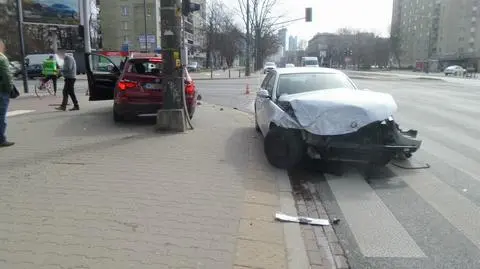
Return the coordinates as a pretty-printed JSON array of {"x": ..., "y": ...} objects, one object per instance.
[{"x": 102, "y": 76}]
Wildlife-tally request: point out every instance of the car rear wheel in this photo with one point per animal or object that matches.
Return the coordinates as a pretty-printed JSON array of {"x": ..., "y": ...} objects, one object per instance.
[
  {"x": 118, "y": 117},
  {"x": 284, "y": 148}
]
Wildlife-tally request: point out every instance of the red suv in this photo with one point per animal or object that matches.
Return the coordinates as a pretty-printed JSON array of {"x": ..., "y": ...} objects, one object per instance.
[{"x": 137, "y": 89}]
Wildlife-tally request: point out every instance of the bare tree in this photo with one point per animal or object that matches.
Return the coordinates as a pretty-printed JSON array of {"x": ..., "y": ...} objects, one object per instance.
[
  {"x": 262, "y": 25},
  {"x": 222, "y": 35},
  {"x": 395, "y": 43}
]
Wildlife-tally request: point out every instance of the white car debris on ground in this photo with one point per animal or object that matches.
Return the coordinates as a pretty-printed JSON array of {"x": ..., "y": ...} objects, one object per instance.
[{"x": 322, "y": 113}]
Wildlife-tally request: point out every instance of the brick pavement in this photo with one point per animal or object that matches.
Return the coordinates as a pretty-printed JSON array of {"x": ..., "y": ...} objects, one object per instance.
[{"x": 78, "y": 191}]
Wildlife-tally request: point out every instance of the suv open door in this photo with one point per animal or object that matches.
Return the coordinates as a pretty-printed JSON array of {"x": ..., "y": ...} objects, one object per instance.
[{"x": 102, "y": 76}]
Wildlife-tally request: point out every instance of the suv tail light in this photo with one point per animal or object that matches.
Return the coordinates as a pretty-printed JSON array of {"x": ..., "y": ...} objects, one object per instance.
[
  {"x": 189, "y": 88},
  {"x": 125, "y": 85}
]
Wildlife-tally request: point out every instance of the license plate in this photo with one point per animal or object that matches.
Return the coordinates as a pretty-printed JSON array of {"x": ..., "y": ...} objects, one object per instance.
[{"x": 152, "y": 86}]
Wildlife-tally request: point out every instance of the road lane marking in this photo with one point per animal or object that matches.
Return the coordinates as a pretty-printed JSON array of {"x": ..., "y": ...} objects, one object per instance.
[
  {"x": 18, "y": 112},
  {"x": 458, "y": 210},
  {"x": 377, "y": 232}
]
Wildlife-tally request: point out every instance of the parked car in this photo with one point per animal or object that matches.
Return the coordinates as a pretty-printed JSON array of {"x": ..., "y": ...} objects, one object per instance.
[
  {"x": 455, "y": 70},
  {"x": 289, "y": 65},
  {"x": 15, "y": 70},
  {"x": 192, "y": 67},
  {"x": 138, "y": 90},
  {"x": 34, "y": 71},
  {"x": 269, "y": 66},
  {"x": 321, "y": 113}
]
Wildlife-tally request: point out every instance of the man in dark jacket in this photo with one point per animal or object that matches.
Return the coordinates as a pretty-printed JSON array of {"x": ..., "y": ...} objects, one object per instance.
[
  {"x": 6, "y": 85},
  {"x": 69, "y": 72}
]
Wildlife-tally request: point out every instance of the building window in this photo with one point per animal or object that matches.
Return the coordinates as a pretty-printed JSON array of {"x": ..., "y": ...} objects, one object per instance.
[
  {"x": 125, "y": 25},
  {"x": 124, "y": 10}
]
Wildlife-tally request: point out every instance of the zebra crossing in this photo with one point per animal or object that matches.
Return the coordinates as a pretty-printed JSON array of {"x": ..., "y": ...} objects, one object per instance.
[
  {"x": 422, "y": 218},
  {"x": 18, "y": 112}
]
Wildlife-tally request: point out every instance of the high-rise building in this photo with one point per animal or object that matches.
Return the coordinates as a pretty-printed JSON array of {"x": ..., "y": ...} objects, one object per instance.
[
  {"x": 123, "y": 22},
  {"x": 292, "y": 43},
  {"x": 282, "y": 36},
  {"x": 441, "y": 31}
]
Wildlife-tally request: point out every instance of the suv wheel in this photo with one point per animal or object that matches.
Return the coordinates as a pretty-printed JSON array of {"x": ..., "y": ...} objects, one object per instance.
[
  {"x": 284, "y": 148},
  {"x": 117, "y": 117}
]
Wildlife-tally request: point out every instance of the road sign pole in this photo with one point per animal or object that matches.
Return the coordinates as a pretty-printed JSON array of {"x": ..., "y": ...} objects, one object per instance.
[{"x": 22, "y": 45}]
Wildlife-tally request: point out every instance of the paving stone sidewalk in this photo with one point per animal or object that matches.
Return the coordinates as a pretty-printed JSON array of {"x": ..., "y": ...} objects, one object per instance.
[{"x": 138, "y": 199}]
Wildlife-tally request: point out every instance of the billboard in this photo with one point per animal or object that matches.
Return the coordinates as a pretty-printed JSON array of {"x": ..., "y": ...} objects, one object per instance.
[{"x": 60, "y": 12}]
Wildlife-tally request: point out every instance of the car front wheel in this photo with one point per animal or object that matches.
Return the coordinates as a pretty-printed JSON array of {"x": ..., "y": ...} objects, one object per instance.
[{"x": 284, "y": 148}]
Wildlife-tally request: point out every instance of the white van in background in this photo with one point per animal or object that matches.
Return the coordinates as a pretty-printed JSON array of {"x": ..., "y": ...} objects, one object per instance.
[
  {"x": 34, "y": 59},
  {"x": 309, "y": 62}
]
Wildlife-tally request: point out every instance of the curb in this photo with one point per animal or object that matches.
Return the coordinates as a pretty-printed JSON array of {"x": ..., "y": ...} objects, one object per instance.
[
  {"x": 297, "y": 257},
  {"x": 323, "y": 246}
]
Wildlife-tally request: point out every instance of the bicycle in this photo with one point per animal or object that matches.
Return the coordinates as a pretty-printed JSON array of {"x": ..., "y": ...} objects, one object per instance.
[{"x": 41, "y": 87}]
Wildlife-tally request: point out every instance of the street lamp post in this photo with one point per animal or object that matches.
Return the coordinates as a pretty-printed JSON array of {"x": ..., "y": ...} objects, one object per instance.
[
  {"x": 22, "y": 44},
  {"x": 145, "y": 21}
]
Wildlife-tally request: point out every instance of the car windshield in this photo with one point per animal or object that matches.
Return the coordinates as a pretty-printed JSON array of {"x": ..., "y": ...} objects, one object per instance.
[
  {"x": 305, "y": 82},
  {"x": 144, "y": 67},
  {"x": 311, "y": 62}
]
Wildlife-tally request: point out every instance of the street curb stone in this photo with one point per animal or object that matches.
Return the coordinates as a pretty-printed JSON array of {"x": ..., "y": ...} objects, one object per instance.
[
  {"x": 296, "y": 253},
  {"x": 324, "y": 248}
]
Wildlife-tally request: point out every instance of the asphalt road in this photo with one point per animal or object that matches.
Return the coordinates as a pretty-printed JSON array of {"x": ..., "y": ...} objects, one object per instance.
[
  {"x": 399, "y": 218},
  {"x": 425, "y": 218}
]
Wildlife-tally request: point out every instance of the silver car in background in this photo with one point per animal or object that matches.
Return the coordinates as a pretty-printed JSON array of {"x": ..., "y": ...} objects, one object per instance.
[
  {"x": 268, "y": 67},
  {"x": 455, "y": 70}
]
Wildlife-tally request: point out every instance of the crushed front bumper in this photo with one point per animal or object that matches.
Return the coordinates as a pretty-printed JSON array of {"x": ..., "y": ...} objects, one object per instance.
[{"x": 378, "y": 142}]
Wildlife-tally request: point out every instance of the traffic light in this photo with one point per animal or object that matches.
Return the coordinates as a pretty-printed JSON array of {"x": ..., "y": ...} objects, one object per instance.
[
  {"x": 308, "y": 14},
  {"x": 189, "y": 7}
]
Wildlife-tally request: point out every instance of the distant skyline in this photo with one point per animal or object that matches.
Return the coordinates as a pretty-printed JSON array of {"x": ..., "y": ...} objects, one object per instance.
[{"x": 331, "y": 15}]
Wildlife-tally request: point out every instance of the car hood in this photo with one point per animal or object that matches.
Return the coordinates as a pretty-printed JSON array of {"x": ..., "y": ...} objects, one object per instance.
[{"x": 339, "y": 111}]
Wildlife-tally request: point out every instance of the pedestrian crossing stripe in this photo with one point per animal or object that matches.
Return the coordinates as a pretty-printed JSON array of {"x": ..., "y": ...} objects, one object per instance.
[
  {"x": 18, "y": 112},
  {"x": 377, "y": 232}
]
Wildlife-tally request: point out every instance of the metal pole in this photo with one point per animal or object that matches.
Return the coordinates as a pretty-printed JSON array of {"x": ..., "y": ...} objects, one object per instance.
[
  {"x": 145, "y": 21},
  {"x": 247, "y": 60},
  {"x": 22, "y": 45},
  {"x": 86, "y": 26},
  {"x": 54, "y": 41}
]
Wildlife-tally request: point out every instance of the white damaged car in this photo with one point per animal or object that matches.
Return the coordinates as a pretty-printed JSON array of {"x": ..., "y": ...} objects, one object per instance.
[{"x": 321, "y": 113}]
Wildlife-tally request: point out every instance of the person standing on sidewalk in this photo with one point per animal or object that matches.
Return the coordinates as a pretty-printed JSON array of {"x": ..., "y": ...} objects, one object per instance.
[
  {"x": 6, "y": 85},
  {"x": 69, "y": 72}
]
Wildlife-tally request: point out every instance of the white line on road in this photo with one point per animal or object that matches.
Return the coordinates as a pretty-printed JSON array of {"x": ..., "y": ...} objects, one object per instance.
[
  {"x": 18, "y": 112},
  {"x": 456, "y": 208},
  {"x": 377, "y": 232}
]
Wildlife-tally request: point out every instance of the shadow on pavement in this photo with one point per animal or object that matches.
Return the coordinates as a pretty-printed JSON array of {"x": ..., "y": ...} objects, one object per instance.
[{"x": 99, "y": 122}]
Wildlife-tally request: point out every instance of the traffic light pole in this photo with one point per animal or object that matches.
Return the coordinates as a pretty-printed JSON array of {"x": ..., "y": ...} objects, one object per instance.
[{"x": 172, "y": 116}]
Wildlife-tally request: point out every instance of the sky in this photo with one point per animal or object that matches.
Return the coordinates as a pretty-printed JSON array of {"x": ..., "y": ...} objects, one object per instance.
[{"x": 330, "y": 15}]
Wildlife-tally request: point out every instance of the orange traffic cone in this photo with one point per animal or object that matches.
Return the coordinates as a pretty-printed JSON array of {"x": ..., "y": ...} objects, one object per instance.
[{"x": 247, "y": 89}]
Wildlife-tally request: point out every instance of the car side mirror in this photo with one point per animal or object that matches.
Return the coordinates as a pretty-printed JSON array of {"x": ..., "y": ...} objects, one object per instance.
[{"x": 263, "y": 94}]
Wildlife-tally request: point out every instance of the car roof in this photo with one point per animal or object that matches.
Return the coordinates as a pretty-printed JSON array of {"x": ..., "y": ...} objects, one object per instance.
[{"x": 300, "y": 70}]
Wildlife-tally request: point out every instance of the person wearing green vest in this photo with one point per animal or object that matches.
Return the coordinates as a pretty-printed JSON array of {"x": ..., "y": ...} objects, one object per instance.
[{"x": 50, "y": 71}]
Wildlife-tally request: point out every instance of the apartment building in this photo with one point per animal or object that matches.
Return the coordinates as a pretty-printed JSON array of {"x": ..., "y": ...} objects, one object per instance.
[
  {"x": 123, "y": 22},
  {"x": 438, "y": 32},
  {"x": 195, "y": 38}
]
